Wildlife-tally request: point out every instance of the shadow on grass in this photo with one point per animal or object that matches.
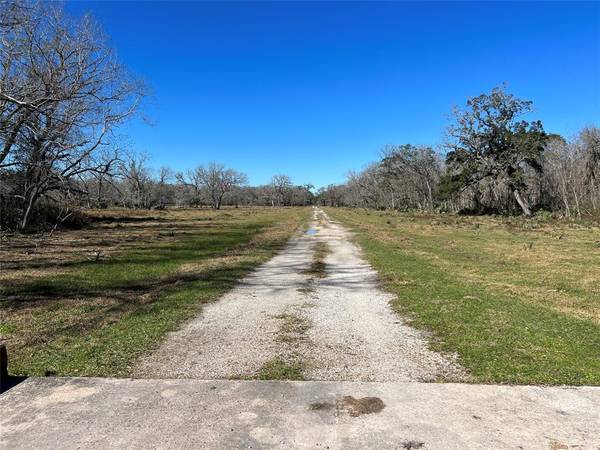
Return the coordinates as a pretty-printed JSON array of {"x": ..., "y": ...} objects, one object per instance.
[
  {"x": 98, "y": 318},
  {"x": 136, "y": 272},
  {"x": 97, "y": 348}
]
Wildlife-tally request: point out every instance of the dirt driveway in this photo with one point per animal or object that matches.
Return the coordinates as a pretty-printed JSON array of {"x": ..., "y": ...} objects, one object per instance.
[{"x": 316, "y": 307}]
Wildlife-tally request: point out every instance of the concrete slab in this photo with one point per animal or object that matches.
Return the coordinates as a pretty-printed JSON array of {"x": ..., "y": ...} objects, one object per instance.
[{"x": 122, "y": 413}]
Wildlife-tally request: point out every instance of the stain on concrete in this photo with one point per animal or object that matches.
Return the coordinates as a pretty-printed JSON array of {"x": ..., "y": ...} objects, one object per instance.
[
  {"x": 557, "y": 445},
  {"x": 409, "y": 445},
  {"x": 320, "y": 406},
  {"x": 358, "y": 406}
]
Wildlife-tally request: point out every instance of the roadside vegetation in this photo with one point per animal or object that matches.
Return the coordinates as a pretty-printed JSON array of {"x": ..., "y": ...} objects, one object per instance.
[
  {"x": 89, "y": 302},
  {"x": 517, "y": 299},
  {"x": 293, "y": 328},
  {"x": 290, "y": 364}
]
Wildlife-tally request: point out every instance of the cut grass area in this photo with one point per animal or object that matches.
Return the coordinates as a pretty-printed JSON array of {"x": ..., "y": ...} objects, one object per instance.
[
  {"x": 94, "y": 318},
  {"x": 281, "y": 369},
  {"x": 518, "y": 300}
]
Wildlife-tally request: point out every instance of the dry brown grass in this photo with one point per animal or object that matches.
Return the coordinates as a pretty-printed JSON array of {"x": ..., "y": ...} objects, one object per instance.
[
  {"x": 112, "y": 232},
  {"x": 293, "y": 327},
  {"x": 556, "y": 264},
  {"x": 53, "y": 289}
]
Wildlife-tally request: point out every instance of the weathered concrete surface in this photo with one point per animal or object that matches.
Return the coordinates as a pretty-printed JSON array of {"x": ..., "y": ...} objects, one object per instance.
[{"x": 120, "y": 413}]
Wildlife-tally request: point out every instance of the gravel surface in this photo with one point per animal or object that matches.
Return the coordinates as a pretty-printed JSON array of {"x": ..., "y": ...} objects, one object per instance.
[{"x": 346, "y": 328}]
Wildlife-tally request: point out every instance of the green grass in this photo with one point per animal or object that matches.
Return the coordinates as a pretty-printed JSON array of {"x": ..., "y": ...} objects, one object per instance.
[
  {"x": 280, "y": 369},
  {"x": 513, "y": 313},
  {"x": 98, "y": 317}
]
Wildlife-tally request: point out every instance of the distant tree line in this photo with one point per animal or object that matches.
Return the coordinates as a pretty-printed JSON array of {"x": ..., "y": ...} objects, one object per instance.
[
  {"x": 135, "y": 185},
  {"x": 492, "y": 161},
  {"x": 63, "y": 95}
]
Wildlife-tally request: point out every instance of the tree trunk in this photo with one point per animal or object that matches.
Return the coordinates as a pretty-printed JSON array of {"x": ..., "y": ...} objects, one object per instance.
[
  {"x": 522, "y": 203},
  {"x": 99, "y": 197},
  {"x": 578, "y": 209},
  {"x": 27, "y": 213},
  {"x": 429, "y": 196},
  {"x": 565, "y": 196},
  {"x": 593, "y": 194}
]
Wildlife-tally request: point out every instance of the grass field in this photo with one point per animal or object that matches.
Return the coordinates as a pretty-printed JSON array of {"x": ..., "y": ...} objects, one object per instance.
[
  {"x": 518, "y": 300},
  {"x": 89, "y": 302}
]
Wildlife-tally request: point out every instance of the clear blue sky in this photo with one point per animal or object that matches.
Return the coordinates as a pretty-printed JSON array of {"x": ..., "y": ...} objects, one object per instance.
[{"x": 315, "y": 89}]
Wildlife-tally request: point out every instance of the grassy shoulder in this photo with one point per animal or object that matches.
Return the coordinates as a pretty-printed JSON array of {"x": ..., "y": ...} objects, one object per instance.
[
  {"x": 66, "y": 313},
  {"x": 519, "y": 301}
]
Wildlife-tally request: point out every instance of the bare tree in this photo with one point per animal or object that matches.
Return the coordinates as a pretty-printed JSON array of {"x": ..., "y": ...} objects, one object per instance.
[
  {"x": 366, "y": 188},
  {"x": 280, "y": 187},
  {"x": 163, "y": 188},
  {"x": 99, "y": 184},
  {"x": 137, "y": 181},
  {"x": 191, "y": 180},
  {"x": 332, "y": 195},
  {"x": 62, "y": 95},
  {"x": 590, "y": 143},
  {"x": 413, "y": 174},
  {"x": 217, "y": 181},
  {"x": 572, "y": 173}
]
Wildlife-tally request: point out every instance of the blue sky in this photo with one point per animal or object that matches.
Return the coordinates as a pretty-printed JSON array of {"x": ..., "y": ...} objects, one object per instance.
[{"x": 315, "y": 89}]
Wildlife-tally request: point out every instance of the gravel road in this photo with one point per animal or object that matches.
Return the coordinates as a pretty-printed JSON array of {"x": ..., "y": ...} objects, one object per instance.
[{"x": 338, "y": 326}]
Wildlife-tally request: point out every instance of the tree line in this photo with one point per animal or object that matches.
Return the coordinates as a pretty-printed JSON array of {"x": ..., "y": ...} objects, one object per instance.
[
  {"x": 63, "y": 96},
  {"x": 134, "y": 184},
  {"x": 492, "y": 161}
]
